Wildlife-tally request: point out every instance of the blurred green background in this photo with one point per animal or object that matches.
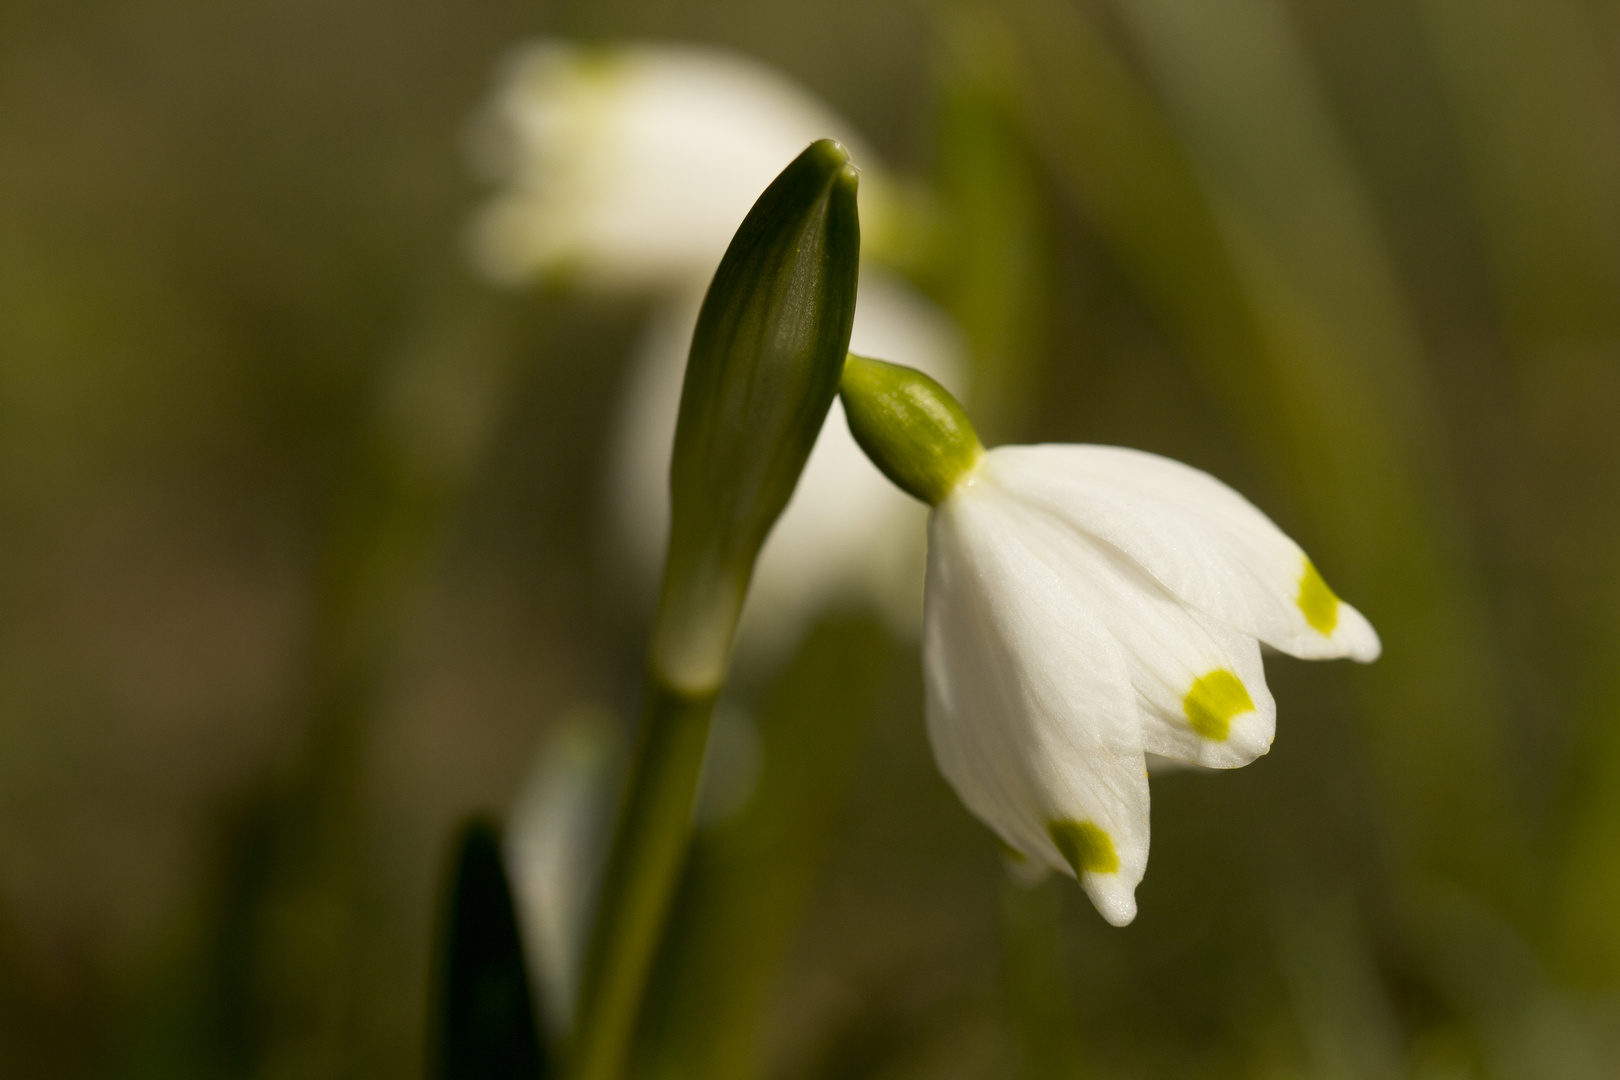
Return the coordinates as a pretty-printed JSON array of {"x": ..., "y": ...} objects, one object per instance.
[{"x": 299, "y": 529}]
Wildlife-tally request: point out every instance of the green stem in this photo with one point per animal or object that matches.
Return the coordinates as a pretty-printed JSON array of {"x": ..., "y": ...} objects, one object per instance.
[
  {"x": 644, "y": 865},
  {"x": 750, "y": 879},
  {"x": 1041, "y": 1006}
]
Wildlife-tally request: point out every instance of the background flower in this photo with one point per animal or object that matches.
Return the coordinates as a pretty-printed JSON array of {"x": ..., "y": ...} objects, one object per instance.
[
  {"x": 557, "y": 834},
  {"x": 628, "y": 167},
  {"x": 631, "y": 165}
]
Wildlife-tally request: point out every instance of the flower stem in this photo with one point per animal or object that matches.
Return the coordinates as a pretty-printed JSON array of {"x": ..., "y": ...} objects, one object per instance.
[
  {"x": 644, "y": 864},
  {"x": 750, "y": 878}
]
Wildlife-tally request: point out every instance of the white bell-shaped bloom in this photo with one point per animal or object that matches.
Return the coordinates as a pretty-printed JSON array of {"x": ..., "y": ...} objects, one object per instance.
[
  {"x": 847, "y": 537},
  {"x": 632, "y": 165},
  {"x": 556, "y": 843},
  {"x": 1087, "y": 605},
  {"x": 561, "y": 822}
]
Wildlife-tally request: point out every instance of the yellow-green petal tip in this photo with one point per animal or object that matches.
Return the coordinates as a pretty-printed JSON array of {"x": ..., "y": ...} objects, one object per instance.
[
  {"x": 1085, "y": 845},
  {"x": 1317, "y": 602},
  {"x": 1213, "y": 701}
]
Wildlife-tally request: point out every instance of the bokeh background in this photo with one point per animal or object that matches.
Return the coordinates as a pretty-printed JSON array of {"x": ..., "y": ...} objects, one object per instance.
[{"x": 301, "y": 560}]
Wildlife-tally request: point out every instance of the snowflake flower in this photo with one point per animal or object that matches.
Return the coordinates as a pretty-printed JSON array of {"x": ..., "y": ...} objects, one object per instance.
[
  {"x": 628, "y": 167},
  {"x": 1086, "y": 605},
  {"x": 631, "y": 165}
]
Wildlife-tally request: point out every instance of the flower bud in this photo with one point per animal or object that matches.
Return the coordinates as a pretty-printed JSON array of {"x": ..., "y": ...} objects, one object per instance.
[
  {"x": 910, "y": 426},
  {"x": 764, "y": 367}
]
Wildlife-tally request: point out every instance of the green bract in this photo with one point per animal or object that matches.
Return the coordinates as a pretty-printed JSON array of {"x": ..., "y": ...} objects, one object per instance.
[
  {"x": 765, "y": 363},
  {"x": 910, "y": 426}
]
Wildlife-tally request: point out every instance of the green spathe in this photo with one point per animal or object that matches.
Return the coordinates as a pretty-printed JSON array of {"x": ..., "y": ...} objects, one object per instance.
[
  {"x": 765, "y": 363},
  {"x": 910, "y": 426}
]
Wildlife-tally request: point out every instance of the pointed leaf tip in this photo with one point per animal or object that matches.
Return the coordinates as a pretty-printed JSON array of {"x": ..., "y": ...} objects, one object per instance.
[{"x": 486, "y": 1025}]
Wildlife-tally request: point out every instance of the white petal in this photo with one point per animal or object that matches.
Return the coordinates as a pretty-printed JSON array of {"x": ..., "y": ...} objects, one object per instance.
[
  {"x": 633, "y": 165},
  {"x": 1197, "y": 537},
  {"x": 848, "y": 536},
  {"x": 1200, "y": 685},
  {"x": 1159, "y": 765},
  {"x": 1030, "y": 710}
]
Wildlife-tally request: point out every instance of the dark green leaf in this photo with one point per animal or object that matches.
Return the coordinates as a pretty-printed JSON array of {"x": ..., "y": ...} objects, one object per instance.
[{"x": 486, "y": 1026}]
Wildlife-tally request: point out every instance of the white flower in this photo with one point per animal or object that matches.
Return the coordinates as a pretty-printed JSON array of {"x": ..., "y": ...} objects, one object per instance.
[
  {"x": 1088, "y": 604},
  {"x": 561, "y": 823},
  {"x": 632, "y": 165},
  {"x": 556, "y": 842},
  {"x": 847, "y": 536}
]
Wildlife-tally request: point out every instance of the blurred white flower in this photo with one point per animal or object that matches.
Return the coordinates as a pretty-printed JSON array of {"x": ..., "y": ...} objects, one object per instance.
[
  {"x": 632, "y": 165},
  {"x": 847, "y": 536},
  {"x": 1087, "y": 604},
  {"x": 556, "y": 843},
  {"x": 560, "y": 825}
]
